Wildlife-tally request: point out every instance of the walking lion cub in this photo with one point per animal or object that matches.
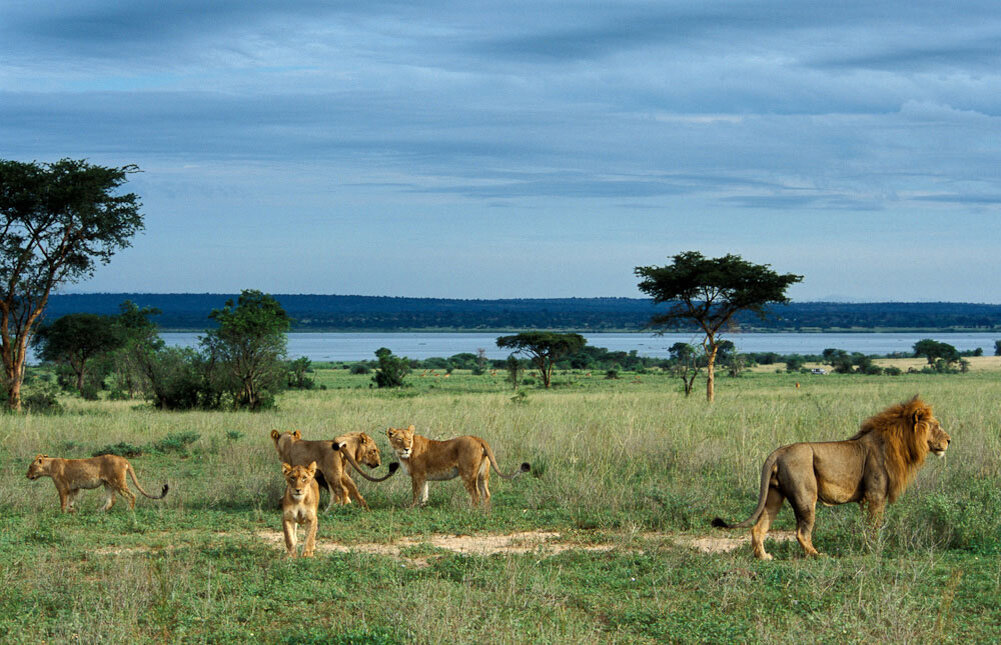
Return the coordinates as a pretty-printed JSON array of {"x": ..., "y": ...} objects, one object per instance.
[
  {"x": 426, "y": 459},
  {"x": 71, "y": 475},
  {"x": 299, "y": 506}
]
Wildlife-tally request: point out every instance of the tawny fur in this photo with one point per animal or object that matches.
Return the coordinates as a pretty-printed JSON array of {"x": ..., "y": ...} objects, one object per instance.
[
  {"x": 872, "y": 467},
  {"x": 330, "y": 456},
  {"x": 299, "y": 506},
  {"x": 72, "y": 475},
  {"x": 426, "y": 459}
]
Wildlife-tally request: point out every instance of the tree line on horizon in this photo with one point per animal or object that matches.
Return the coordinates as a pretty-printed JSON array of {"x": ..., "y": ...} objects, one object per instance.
[{"x": 188, "y": 312}]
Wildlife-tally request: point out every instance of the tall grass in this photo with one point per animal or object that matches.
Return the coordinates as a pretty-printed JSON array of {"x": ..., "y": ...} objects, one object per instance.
[{"x": 630, "y": 463}]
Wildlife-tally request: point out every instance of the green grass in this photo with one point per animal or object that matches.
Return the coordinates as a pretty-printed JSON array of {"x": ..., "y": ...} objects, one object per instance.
[{"x": 629, "y": 464}]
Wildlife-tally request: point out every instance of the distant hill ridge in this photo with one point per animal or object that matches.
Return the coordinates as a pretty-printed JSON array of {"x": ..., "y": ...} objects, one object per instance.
[{"x": 189, "y": 311}]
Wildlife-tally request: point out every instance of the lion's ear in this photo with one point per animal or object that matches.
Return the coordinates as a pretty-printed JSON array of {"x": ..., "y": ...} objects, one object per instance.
[
  {"x": 389, "y": 432},
  {"x": 412, "y": 427},
  {"x": 286, "y": 469},
  {"x": 297, "y": 434},
  {"x": 275, "y": 434},
  {"x": 311, "y": 468}
]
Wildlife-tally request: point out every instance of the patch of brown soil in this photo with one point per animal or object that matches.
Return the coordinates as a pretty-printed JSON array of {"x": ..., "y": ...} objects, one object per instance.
[
  {"x": 544, "y": 542},
  {"x": 712, "y": 544}
]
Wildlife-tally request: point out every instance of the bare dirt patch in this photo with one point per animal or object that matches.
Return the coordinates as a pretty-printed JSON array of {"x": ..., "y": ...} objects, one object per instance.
[
  {"x": 544, "y": 543},
  {"x": 712, "y": 544}
]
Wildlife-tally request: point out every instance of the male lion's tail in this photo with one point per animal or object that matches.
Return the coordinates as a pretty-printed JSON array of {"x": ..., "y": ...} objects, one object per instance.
[
  {"x": 135, "y": 481},
  {"x": 351, "y": 460},
  {"x": 766, "y": 475},
  {"x": 524, "y": 468}
]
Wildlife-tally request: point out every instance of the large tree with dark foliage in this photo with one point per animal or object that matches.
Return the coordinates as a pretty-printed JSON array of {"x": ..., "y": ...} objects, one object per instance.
[
  {"x": 57, "y": 222},
  {"x": 543, "y": 348},
  {"x": 710, "y": 292},
  {"x": 75, "y": 339},
  {"x": 249, "y": 347}
]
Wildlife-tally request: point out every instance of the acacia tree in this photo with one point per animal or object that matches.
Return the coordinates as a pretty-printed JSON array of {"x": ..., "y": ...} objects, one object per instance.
[
  {"x": 710, "y": 292},
  {"x": 249, "y": 347},
  {"x": 57, "y": 221},
  {"x": 543, "y": 348},
  {"x": 933, "y": 350},
  {"x": 75, "y": 339}
]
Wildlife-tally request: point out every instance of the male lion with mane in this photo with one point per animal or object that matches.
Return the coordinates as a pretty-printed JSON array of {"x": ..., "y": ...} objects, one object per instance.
[
  {"x": 330, "y": 456},
  {"x": 468, "y": 456},
  {"x": 873, "y": 467},
  {"x": 71, "y": 475}
]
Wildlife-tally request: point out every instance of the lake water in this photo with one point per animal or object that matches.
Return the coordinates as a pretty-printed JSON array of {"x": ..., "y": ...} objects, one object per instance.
[{"x": 361, "y": 346}]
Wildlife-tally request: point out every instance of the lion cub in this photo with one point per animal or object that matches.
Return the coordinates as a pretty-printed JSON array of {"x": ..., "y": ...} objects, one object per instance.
[
  {"x": 71, "y": 475},
  {"x": 426, "y": 459},
  {"x": 299, "y": 506}
]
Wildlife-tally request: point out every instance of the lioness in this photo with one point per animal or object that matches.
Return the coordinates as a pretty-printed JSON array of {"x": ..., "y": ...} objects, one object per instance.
[
  {"x": 873, "y": 467},
  {"x": 299, "y": 505},
  {"x": 70, "y": 475},
  {"x": 330, "y": 456},
  {"x": 426, "y": 459}
]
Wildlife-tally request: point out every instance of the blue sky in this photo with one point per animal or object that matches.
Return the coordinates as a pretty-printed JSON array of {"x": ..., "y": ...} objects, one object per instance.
[{"x": 525, "y": 149}]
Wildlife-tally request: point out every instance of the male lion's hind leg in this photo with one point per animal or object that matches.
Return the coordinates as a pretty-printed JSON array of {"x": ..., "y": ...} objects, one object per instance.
[
  {"x": 805, "y": 517},
  {"x": 772, "y": 505}
]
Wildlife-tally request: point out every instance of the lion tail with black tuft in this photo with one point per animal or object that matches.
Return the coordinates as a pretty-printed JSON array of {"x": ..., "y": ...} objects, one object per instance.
[
  {"x": 766, "y": 475},
  {"x": 393, "y": 467}
]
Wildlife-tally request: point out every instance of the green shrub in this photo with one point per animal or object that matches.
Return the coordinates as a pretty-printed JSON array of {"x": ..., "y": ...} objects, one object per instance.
[
  {"x": 392, "y": 369},
  {"x": 42, "y": 401},
  {"x": 122, "y": 449},
  {"x": 176, "y": 442}
]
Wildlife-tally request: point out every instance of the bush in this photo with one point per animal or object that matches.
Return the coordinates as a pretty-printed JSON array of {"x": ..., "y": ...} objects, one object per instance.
[
  {"x": 177, "y": 380},
  {"x": 392, "y": 369},
  {"x": 42, "y": 401},
  {"x": 90, "y": 391},
  {"x": 122, "y": 449},
  {"x": 176, "y": 442}
]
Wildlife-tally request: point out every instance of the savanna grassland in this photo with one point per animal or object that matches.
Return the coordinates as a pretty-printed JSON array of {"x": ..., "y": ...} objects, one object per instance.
[{"x": 602, "y": 543}]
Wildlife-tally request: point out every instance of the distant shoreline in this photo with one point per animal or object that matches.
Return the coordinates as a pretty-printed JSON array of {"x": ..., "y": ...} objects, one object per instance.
[{"x": 373, "y": 314}]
